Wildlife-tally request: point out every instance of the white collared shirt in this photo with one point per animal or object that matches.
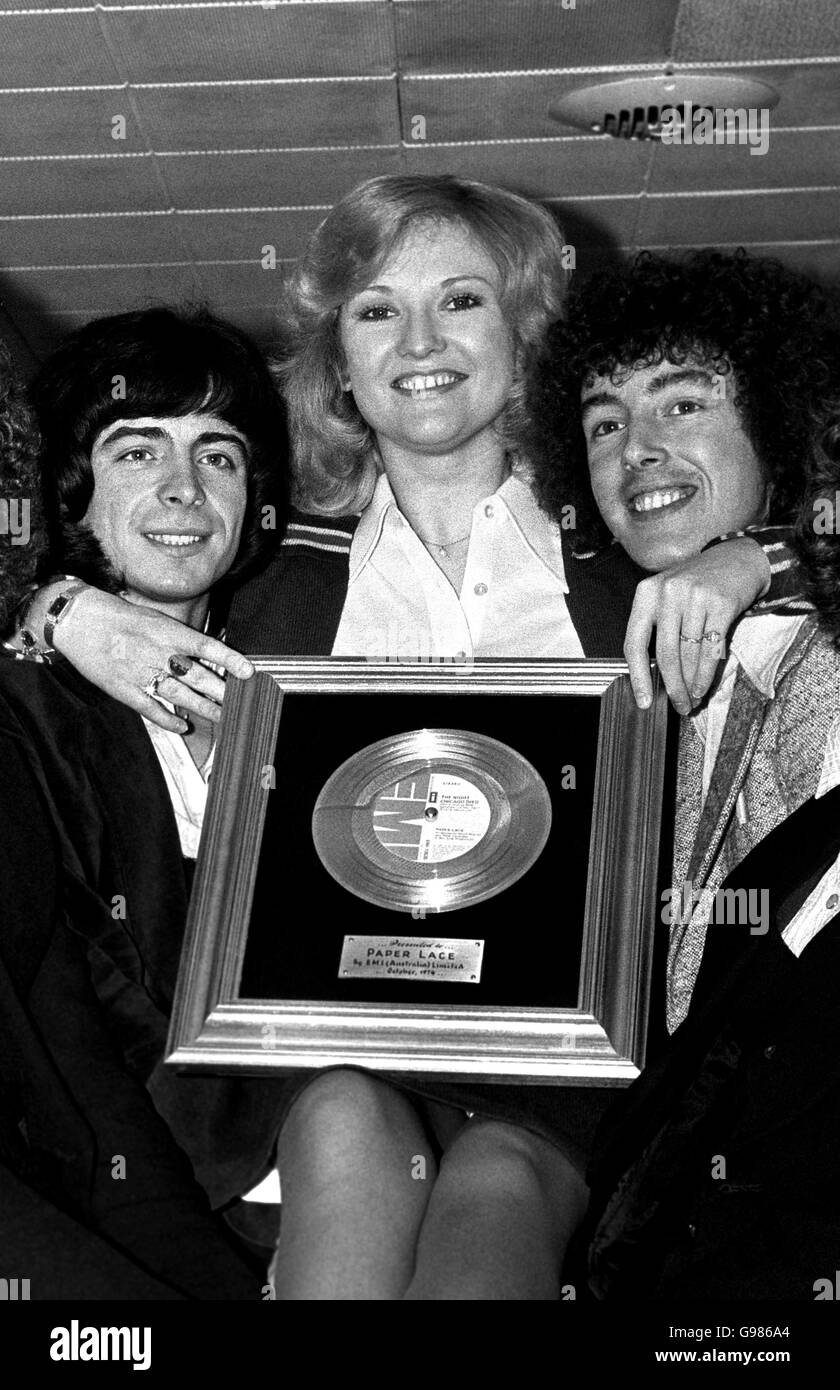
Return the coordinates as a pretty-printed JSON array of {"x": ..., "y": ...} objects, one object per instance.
[
  {"x": 186, "y": 783},
  {"x": 759, "y": 645},
  {"x": 512, "y": 602}
]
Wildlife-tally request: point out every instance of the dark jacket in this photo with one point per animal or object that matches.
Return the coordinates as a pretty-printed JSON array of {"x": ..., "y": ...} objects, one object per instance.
[
  {"x": 119, "y": 838},
  {"x": 715, "y": 1174},
  {"x": 96, "y": 1200}
]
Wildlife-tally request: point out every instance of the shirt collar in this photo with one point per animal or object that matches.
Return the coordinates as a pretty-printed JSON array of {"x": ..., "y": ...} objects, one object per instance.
[
  {"x": 760, "y": 645},
  {"x": 538, "y": 531},
  {"x": 369, "y": 529}
]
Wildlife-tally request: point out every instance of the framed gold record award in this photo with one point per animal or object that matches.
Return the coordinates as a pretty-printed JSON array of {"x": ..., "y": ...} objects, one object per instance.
[{"x": 446, "y": 869}]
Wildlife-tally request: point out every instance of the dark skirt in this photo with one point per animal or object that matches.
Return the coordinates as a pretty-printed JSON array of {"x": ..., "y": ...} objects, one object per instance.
[{"x": 229, "y": 1126}]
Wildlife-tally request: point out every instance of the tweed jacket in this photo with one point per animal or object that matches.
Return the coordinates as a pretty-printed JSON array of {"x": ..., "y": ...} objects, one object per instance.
[{"x": 768, "y": 765}]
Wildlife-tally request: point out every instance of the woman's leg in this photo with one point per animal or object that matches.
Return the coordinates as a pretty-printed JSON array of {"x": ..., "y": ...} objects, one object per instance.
[
  {"x": 356, "y": 1169},
  {"x": 500, "y": 1216}
]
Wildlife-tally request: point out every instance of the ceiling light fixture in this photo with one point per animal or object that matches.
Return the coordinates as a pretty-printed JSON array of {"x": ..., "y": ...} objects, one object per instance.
[{"x": 636, "y": 107}]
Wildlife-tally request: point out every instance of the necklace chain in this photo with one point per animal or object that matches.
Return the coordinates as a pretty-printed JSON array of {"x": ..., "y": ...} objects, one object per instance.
[{"x": 444, "y": 548}]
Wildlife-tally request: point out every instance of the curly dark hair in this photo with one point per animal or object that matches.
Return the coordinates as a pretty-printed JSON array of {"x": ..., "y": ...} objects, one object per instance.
[
  {"x": 23, "y": 537},
  {"x": 775, "y": 330},
  {"x": 817, "y": 534},
  {"x": 170, "y": 363}
]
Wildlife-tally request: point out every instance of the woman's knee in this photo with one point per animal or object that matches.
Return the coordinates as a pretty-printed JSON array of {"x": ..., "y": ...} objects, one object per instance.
[
  {"x": 494, "y": 1158},
  {"x": 346, "y": 1110}
]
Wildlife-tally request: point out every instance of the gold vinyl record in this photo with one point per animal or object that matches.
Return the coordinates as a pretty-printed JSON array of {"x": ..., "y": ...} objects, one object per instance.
[{"x": 434, "y": 819}]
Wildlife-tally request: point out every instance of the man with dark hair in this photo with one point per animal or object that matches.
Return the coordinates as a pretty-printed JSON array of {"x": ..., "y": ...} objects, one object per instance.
[
  {"x": 159, "y": 363},
  {"x": 96, "y": 1199}
]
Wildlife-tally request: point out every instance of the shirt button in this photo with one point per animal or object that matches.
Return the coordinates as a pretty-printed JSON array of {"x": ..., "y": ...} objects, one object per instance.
[
  {"x": 770, "y": 1051},
  {"x": 489, "y": 510},
  {"x": 480, "y": 589},
  {"x": 832, "y": 902}
]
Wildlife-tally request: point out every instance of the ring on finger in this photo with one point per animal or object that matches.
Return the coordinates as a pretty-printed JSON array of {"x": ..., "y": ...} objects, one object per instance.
[
  {"x": 711, "y": 635},
  {"x": 151, "y": 687},
  {"x": 179, "y": 665},
  {"x": 694, "y": 640}
]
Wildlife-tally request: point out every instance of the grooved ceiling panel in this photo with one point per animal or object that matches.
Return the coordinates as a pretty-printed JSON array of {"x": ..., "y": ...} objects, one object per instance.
[
  {"x": 747, "y": 29},
  {"x": 243, "y": 122},
  {"x": 70, "y": 47},
  {"x": 285, "y": 177},
  {"x": 438, "y": 36},
  {"x": 321, "y": 114},
  {"x": 92, "y": 188},
  {"x": 334, "y": 40},
  {"x": 66, "y": 122}
]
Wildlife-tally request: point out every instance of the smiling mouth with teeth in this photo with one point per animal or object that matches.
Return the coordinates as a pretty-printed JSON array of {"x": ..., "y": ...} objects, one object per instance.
[
  {"x": 656, "y": 500},
  {"x": 178, "y": 539},
  {"x": 422, "y": 383}
]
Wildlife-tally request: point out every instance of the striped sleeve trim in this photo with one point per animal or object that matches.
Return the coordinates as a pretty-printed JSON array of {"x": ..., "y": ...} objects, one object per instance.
[
  {"x": 795, "y": 604},
  {"x": 332, "y": 539}
]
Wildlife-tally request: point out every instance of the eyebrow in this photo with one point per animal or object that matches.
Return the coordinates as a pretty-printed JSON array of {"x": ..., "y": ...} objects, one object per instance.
[
  {"x": 444, "y": 284},
  {"x": 155, "y": 432},
  {"x": 684, "y": 376}
]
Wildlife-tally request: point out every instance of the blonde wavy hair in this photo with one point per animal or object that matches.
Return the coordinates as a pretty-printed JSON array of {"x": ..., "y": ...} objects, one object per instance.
[{"x": 334, "y": 454}]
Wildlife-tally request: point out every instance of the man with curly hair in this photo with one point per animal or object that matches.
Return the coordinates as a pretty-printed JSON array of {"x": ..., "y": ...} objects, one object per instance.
[{"x": 680, "y": 392}]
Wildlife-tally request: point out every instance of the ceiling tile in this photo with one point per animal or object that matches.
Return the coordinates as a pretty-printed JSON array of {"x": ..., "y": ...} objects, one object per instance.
[
  {"x": 719, "y": 29},
  {"x": 311, "y": 40},
  {"x": 53, "y": 50},
  {"x": 330, "y": 113},
  {"x": 555, "y": 169},
  {"x": 793, "y": 158},
  {"x": 67, "y": 123},
  {"x": 437, "y": 36},
  {"x": 502, "y": 108},
  {"x": 273, "y": 179},
  {"x": 809, "y": 92},
  {"x": 723, "y": 219},
  {"x": 241, "y": 236},
  {"x": 88, "y": 185},
  {"x": 89, "y": 240},
  {"x": 107, "y": 291},
  {"x": 246, "y": 285}
]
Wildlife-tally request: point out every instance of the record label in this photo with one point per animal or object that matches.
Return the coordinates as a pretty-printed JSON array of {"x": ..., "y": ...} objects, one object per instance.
[{"x": 431, "y": 818}]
